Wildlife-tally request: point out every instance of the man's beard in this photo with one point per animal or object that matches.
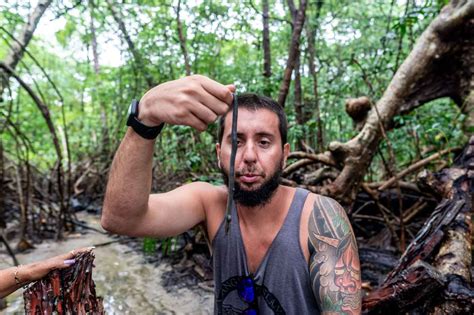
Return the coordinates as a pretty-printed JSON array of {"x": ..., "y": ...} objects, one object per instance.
[{"x": 256, "y": 197}]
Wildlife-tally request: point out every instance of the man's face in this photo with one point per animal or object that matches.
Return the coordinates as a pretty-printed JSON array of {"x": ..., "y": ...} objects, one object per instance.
[{"x": 260, "y": 156}]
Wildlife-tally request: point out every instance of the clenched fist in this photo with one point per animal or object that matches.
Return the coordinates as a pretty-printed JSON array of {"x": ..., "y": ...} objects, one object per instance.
[{"x": 194, "y": 101}]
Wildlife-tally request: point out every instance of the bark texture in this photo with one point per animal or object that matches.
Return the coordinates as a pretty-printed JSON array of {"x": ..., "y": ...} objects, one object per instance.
[
  {"x": 293, "y": 52},
  {"x": 298, "y": 103},
  {"x": 410, "y": 288},
  {"x": 65, "y": 291},
  {"x": 311, "y": 35},
  {"x": 442, "y": 247}
]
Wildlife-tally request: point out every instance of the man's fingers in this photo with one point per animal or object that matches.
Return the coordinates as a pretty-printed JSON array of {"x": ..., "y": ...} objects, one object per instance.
[
  {"x": 194, "y": 101},
  {"x": 196, "y": 123},
  {"x": 73, "y": 253},
  {"x": 216, "y": 105},
  {"x": 220, "y": 91},
  {"x": 204, "y": 113},
  {"x": 231, "y": 88}
]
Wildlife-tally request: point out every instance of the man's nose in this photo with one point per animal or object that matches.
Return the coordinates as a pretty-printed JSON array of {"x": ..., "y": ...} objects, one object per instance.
[{"x": 249, "y": 154}]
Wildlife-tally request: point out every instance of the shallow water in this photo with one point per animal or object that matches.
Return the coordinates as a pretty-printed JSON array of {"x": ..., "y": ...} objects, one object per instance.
[{"x": 127, "y": 283}]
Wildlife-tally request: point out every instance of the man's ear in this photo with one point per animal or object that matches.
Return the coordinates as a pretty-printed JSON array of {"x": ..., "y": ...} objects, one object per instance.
[
  {"x": 286, "y": 152},
  {"x": 218, "y": 153}
]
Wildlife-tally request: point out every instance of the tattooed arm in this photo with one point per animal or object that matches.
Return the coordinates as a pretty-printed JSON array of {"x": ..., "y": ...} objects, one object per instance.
[{"x": 334, "y": 259}]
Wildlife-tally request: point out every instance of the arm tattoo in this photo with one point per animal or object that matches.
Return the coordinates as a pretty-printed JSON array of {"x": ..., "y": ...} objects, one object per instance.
[{"x": 334, "y": 263}]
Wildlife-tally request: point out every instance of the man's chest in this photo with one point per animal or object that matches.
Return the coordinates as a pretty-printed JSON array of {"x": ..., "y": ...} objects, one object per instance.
[{"x": 257, "y": 244}]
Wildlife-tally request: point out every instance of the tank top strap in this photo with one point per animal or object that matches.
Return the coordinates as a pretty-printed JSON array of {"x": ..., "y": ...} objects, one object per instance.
[{"x": 296, "y": 208}]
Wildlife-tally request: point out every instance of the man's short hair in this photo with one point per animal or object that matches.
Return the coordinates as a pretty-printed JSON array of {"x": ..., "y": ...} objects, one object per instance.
[{"x": 252, "y": 101}]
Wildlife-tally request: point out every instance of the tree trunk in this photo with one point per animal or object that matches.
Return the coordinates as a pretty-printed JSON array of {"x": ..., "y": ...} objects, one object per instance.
[
  {"x": 311, "y": 35},
  {"x": 102, "y": 108},
  {"x": 299, "y": 110},
  {"x": 49, "y": 122},
  {"x": 298, "y": 104},
  {"x": 139, "y": 62},
  {"x": 439, "y": 65},
  {"x": 21, "y": 201},
  {"x": 182, "y": 39},
  {"x": 293, "y": 52},
  {"x": 18, "y": 47},
  {"x": 267, "y": 58}
]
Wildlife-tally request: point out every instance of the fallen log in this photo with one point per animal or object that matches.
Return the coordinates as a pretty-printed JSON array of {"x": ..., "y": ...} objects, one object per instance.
[
  {"x": 412, "y": 288},
  {"x": 445, "y": 242},
  {"x": 454, "y": 258},
  {"x": 430, "y": 236}
]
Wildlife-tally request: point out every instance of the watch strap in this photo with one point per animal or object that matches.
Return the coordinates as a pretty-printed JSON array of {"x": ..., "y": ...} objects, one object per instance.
[{"x": 141, "y": 129}]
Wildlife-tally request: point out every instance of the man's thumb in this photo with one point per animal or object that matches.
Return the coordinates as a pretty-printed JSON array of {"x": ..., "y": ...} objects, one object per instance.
[{"x": 231, "y": 87}]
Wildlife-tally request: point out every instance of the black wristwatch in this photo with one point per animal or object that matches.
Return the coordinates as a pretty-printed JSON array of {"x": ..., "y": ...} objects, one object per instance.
[{"x": 140, "y": 128}]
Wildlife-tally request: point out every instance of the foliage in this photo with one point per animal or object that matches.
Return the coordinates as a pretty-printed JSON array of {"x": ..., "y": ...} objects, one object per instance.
[{"x": 359, "y": 46}]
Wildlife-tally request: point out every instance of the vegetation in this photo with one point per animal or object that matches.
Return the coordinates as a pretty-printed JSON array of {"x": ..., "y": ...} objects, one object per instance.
[
  {"x": 359, "y": 46},
  {"x": 352, "y": 77}
]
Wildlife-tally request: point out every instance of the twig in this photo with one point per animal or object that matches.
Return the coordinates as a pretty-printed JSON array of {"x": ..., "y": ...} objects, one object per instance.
[
  {"x": 299, "y": 164},
  {"x": 415, "y": 167},
  {"x": 9, "y": 249},
  {"x": 288, "y": 182},
  {"x": 321, "y": 157},
  {"x": 381, "y": 208},
  {"x": 85, "y": 226},
  {"x": 292, "y": 183},
  {"x": 402, "y": 184},
  {"x": 366, "y": 204},
  {"x": 390, "y": 151},
  {"x": 367, "y": 217},
  {"x": 414, "y": 210}
]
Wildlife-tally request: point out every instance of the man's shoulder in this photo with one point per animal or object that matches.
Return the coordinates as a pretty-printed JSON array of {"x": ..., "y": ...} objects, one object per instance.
[
  {"x": 207, "y": 192},
  {"x": 202, "y": 187},
  {"x": 328, "y": 215},
  {"x": 324, "y": 201}
]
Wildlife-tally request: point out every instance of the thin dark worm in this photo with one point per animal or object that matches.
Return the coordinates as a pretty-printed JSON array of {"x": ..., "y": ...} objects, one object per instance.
[{"x": 230, "y": 197}]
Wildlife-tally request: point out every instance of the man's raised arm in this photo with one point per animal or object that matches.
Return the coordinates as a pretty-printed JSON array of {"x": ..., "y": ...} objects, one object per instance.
[
  {"x": 334, "y": 259},
  {"x": 194, "y": 101}
]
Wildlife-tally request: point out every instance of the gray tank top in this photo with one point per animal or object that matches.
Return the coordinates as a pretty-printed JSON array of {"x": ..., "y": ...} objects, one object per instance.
[{"x": 281, "y": 284}]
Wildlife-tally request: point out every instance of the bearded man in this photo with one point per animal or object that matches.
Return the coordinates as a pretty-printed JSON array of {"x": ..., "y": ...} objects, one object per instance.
[{"x": 287, "y": 251}]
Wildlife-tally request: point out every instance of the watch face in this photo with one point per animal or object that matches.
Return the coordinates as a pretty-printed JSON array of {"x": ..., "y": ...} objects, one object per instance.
[{"x": 133, "y": 108}]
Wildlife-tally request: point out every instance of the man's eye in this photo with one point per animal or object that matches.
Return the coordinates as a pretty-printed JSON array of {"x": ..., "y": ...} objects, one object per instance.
[{"x": 264, "y": 143}]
